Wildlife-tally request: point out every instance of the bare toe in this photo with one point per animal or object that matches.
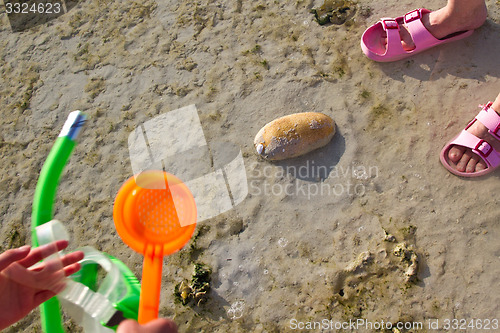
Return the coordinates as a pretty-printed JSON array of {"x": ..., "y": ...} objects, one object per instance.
[
  {"x": 472, "y": 164},
  {"x": 481, "y": 165},
  {"x": 464, "y": 160},
  {"x": 406, "y": 40},
  {"x": 456, "y": 153},
  {"x": 404, "y": 35}
]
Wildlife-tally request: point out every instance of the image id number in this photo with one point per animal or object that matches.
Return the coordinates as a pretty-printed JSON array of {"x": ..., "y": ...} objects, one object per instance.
[
  {"x": 475, "y": 324},
  {"x": 40, "y": 8}
]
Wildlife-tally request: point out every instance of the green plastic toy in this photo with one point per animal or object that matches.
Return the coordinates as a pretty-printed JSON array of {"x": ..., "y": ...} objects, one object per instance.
[{"x": 120, "y": 290}]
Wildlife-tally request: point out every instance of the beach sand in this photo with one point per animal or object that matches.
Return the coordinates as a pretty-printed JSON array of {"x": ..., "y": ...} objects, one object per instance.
[{"x": 309, "y": 242}]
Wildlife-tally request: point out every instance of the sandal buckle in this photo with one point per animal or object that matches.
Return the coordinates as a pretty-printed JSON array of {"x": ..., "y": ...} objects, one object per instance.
[
  {"x": 483, "y": 148},
  {"x": 412, "y": 16},
  {"x": 390, "y": 24}
]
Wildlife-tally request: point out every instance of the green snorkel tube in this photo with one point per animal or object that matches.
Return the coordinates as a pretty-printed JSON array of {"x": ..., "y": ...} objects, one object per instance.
[
  {"x": 121, "y": 288},
  {"x": 43, "y": 203}
]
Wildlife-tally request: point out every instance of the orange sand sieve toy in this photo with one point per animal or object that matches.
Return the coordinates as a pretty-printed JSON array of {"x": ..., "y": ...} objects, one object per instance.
[{"x": 154, "y": 214}]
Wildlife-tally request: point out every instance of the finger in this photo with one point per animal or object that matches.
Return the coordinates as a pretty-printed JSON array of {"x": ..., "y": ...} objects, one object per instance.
[
  {"x": 129, "y": 326},
  {"x": 43, "y": 252},
  {"x": 49, "y": 276},
  {"x": 71, "y": 269},
  {"x": 59, "y": 263},
  {"x": 161, "y": 325},
  {"x": 72, "y": 258},
  {"x": 13, "y": 255}
]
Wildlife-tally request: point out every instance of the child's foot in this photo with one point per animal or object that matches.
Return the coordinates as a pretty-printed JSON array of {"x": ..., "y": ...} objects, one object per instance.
[
  {"x": 464, "y": 158},
  {"x": 476, "y": 150},
  {"x": 391, "y": 40},
  {"x": 446, "y": 21}
]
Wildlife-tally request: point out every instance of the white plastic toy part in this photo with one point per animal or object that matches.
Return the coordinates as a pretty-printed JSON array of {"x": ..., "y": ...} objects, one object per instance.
[{"x": 86, "y": 307}]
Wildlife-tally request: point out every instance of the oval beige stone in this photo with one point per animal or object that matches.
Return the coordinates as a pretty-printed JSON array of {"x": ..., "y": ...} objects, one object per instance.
[{"x": 294, "y": 135}]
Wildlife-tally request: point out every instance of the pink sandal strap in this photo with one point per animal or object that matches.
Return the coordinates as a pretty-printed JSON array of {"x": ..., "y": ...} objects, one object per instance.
[
  {"x": 478, "y": 146},
  {"x": 391, "y": 27},
  {"x": 419, "y": 33},
  {"x": 489, "y": 118}
]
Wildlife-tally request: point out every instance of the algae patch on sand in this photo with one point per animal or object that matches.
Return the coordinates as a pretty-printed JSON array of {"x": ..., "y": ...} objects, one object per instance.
[
  {"x": 334, "y": 11},
  {"x": 95, "y": 86},
  {"x": 195, "y": 291},
  {"x": 386, "y": 271}
]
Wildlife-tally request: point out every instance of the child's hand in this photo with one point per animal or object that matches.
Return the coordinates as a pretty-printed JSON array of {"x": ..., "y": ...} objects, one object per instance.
[
  {"x": 23, "y": 287},
  {"x": 159, "y": 325}
]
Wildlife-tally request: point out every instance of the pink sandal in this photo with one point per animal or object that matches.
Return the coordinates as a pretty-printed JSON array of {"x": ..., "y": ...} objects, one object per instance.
[
  {"x": 372, "y": 39},
  {"x": 489, "y": 118}
]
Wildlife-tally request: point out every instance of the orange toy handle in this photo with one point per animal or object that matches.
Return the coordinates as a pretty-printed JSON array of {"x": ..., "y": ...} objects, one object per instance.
[{"x": 149, "y": 302}]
